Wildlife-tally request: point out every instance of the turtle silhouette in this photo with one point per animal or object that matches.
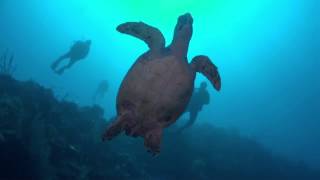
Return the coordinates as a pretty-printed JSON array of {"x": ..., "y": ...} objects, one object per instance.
[{"x": 157, "y": 88}]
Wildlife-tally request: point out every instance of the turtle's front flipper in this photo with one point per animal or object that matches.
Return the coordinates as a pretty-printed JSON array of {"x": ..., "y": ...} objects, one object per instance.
[
  {"x": 203, "y": 65},
  {"x": 151, "y": 35}
]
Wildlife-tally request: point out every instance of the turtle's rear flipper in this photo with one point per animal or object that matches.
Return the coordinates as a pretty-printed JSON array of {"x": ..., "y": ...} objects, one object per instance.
[
  {"x": 152, "y": 140},
  {"x": 113, "y": 130},
  {"x": 150, "y": 35},
  {"x": 203, "y": 65},
  {"x": 122, "y": 122}
]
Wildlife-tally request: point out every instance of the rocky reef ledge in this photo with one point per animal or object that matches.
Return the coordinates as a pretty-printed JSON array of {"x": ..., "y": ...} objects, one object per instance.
[{"x": 45, "y": 138}]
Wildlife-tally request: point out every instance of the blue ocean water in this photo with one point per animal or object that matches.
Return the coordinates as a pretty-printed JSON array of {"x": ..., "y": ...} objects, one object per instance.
[{"x": 268, "y": 59}]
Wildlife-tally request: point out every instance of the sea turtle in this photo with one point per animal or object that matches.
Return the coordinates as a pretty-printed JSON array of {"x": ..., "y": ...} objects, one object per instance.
[{"x": 157, "y": 88}]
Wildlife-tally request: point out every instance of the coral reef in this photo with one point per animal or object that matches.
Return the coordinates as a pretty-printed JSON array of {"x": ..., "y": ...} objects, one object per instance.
[
  {"x": 7, "y": 65},
  {"x": 43, "y": 138}
]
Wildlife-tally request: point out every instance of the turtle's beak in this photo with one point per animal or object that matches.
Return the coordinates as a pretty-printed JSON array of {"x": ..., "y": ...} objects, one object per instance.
[{"x": 185, "y": 19}]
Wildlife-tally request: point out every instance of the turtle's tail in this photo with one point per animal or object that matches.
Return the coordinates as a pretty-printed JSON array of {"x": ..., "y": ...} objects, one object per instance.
[{"x": 203, "y": 65}]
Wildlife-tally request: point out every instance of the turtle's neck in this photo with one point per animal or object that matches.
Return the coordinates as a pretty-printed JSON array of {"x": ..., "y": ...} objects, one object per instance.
[
  {"x": 181, "y": 39},
  {"x": 182, "y": 36},
  {"x": 180, "y": 48}
]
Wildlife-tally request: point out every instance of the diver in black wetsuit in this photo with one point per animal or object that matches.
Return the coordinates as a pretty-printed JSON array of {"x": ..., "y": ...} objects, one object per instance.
[
  {"x": 78, "y": 51},
  {"x": 199, "y": 98},
  {"x": 101, "y": 90}
]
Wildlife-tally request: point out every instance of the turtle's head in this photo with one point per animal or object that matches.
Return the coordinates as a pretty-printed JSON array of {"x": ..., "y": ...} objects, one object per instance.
[
  {"x": 183, "y": 29},
  {"x": 184, "y": 23},
  {"x": 182, "y": 34}
]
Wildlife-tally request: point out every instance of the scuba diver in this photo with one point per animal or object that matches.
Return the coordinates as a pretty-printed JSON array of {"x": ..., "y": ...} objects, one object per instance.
[
  {"x": 101, "y": 90},
  {"x": 79, "y": 50},
  {"x": 199, "y": 98}
]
